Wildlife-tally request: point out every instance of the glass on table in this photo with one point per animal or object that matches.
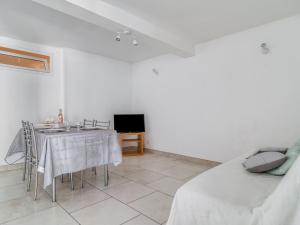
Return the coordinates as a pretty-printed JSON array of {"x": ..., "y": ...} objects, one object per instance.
[
  {"x": 78, "y": 125},
  {"x": 67, "y": 125}
]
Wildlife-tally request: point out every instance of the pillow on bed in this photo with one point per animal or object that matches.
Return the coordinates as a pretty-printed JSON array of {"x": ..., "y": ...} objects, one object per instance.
[
  {"x": 264, "y": 161},
  {"x": 270, "y": 149},
  {"x": 292, "y": 155},
  {"x": 273, "y": 149}
]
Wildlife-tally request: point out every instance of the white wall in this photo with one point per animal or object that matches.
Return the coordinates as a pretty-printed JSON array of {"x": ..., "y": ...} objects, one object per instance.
[
  {"x": 27, "y": 95},
  {"x": 226, "y": 100},
  {"x": 96, "y": 87},
  {"x": 84, "y": 85}
]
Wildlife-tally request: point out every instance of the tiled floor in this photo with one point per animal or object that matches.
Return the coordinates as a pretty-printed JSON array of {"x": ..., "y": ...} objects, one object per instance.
[{"x": 140, "y": 192}]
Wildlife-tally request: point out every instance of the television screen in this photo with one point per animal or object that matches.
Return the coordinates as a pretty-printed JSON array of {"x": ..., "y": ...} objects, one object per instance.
[{"x": 129, "y": 123}]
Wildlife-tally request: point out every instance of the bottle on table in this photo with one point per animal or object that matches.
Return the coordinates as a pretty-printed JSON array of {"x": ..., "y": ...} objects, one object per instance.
[{"x": 60, "y": 117}]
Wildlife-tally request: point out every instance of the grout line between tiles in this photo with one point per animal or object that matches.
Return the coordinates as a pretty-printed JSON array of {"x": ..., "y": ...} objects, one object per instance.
[{"x": 68, "y": 213}]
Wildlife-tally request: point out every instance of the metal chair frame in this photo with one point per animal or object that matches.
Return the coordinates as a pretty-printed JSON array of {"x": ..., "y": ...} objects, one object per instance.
[
  {"x": 87, "y": 122},
  {"x": 102, "y": 124},
  {"x": 31, "y": 158},
  {"x": 26, "y": 150}
]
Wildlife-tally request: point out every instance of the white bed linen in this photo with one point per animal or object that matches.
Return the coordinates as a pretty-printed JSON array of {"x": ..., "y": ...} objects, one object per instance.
[{"x": 229, "y": 195}]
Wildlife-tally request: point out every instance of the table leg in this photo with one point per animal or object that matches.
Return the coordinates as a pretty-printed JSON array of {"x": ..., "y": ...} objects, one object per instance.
[
  {"x": 106, "y": 175},
  {"x": 72, "y": 182},
  {"x": 54, "y": 190},
  {"x": 81, "y": 177}
]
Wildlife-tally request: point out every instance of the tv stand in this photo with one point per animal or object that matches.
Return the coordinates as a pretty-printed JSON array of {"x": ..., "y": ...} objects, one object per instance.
[{"x": 138, "y": 138}]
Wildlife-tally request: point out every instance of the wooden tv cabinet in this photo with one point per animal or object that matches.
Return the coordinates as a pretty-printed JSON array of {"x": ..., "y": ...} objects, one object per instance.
[{"x": 137, "y": 138}]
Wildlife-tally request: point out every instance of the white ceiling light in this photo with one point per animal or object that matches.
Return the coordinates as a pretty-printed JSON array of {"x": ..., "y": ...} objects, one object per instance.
[
  {"x": 118, "y": 37},
  {"x": 119, "y": 33},
  {"x": 134, "y": 41}
]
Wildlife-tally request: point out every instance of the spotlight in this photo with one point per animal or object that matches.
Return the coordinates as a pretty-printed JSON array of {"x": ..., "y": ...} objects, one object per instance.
[
  {"x": 118, "y": 37},
  {"x": 265, "y": 48},
  {"x": 135, "y": 42}
]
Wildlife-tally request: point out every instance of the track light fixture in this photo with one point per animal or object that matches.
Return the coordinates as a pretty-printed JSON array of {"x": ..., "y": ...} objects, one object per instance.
[
  {"x": 135, "y": 42},
  {"x": 118, "y": 38}
]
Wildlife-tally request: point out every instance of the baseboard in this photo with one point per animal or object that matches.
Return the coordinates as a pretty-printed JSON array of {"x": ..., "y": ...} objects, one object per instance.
[
  {"x": 182, "y": 157},
  {"x": 11, "y": 167}
]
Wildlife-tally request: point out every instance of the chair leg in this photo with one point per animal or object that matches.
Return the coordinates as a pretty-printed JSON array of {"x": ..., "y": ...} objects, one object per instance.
[
  {"x": 72, "y": 183},
  {"x": 29, "y": 176},
  {"x": 53, "y": 190},
  {"x": 36, "y": 184},
  {"x": 81, "y": 177},
  {"x": 95, "y": 171},
  {"x": 62, "y": 178},
  {"x": 105, "y": 175},
  {"x": 25, "y": 168}
]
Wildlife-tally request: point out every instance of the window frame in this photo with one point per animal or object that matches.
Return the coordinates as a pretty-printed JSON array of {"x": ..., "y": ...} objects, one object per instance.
[{"x": 22, "y": 54}]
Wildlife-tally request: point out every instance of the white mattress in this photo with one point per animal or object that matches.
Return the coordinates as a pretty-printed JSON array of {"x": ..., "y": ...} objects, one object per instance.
[{"x": 229, "y": 195}]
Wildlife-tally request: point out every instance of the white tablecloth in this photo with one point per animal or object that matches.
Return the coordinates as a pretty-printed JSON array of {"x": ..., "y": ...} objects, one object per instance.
[{"x": 66, "y": 152}]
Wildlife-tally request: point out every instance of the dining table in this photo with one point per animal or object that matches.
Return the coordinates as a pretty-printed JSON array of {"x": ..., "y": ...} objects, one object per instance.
[{"x": 64, "y": 151}]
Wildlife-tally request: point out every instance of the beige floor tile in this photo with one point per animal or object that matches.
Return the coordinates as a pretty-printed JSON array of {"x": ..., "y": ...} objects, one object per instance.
[
  {"x": 81, "y": 198},
  {"x": 141, "y": 220},
  {"x": 108, "y": 212},
  {"x": 88, "y": 173},
  {"x": 156, "y": 206},
  {"x": 12, "y": 177},
  {"x": 124, "y": 170},
  {"x": 128, "y": 192},
  {"x": 64, "y": 189},
  {"x": 167, "y": 185},
  {"x": 114, "y": 179},
  {"x": 145, "y": 177},
  {"x": 12, "y": 192},
  {"x": 197, "y": 167},
  {"x": 139, "y": 160},
  {"x": 24, "y": 206},
  {"x": 51, "y": 216},
  {"x": 179, "y": 172},
  {"x": 158, "y": 165}
]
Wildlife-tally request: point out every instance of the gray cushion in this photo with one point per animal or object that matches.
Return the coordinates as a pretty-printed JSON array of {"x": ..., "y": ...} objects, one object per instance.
[
  {"x": 264, "y": 161},
  {"x": 270, "y": 149},
  {"x": 273, "y": 149}
]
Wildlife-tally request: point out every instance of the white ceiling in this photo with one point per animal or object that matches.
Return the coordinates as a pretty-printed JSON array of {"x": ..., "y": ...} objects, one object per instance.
[
  {"x": 197, "y": 20},
  {"x": 28, "y": 21},
  {"x": 205, "y": 20}
]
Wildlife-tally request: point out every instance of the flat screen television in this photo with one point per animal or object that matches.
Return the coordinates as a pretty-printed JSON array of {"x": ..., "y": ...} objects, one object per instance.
[{"x": 129, "y": 123}]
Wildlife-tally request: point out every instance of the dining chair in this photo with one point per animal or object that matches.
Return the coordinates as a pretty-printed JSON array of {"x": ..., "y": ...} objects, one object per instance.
[
  {"x": 105, "y": 125},
  {"x": 88, "y": 123},
  {"x": 26, "y": 150},
  {"x": 32, "y": 159}
]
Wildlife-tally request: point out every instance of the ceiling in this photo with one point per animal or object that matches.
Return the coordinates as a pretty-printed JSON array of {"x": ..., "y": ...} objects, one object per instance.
[
  {"x": 198, "y": 20},
  {"x": 28, "y": 21},
  {"x": 204, "y": 20}
]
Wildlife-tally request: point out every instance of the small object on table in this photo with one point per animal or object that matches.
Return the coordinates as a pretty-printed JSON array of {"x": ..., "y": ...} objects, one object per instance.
[
  {"x": 67, "y": 125},
  {"x": 60, "y": 116}
]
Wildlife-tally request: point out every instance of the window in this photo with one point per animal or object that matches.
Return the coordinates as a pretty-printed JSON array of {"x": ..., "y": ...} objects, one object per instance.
[{"x": 24, "y": 60}]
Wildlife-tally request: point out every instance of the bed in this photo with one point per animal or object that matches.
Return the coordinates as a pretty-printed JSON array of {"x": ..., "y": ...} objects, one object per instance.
[{"x": 229, "y": 195}]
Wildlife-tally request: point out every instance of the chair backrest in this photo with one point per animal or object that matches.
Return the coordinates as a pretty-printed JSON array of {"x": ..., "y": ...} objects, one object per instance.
[
  {"x": 88, "y": 123},
  {"x": 102, "y": 124},
  {"x": 30, "y": 141},
  {"x": 25, "y": 136}
]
